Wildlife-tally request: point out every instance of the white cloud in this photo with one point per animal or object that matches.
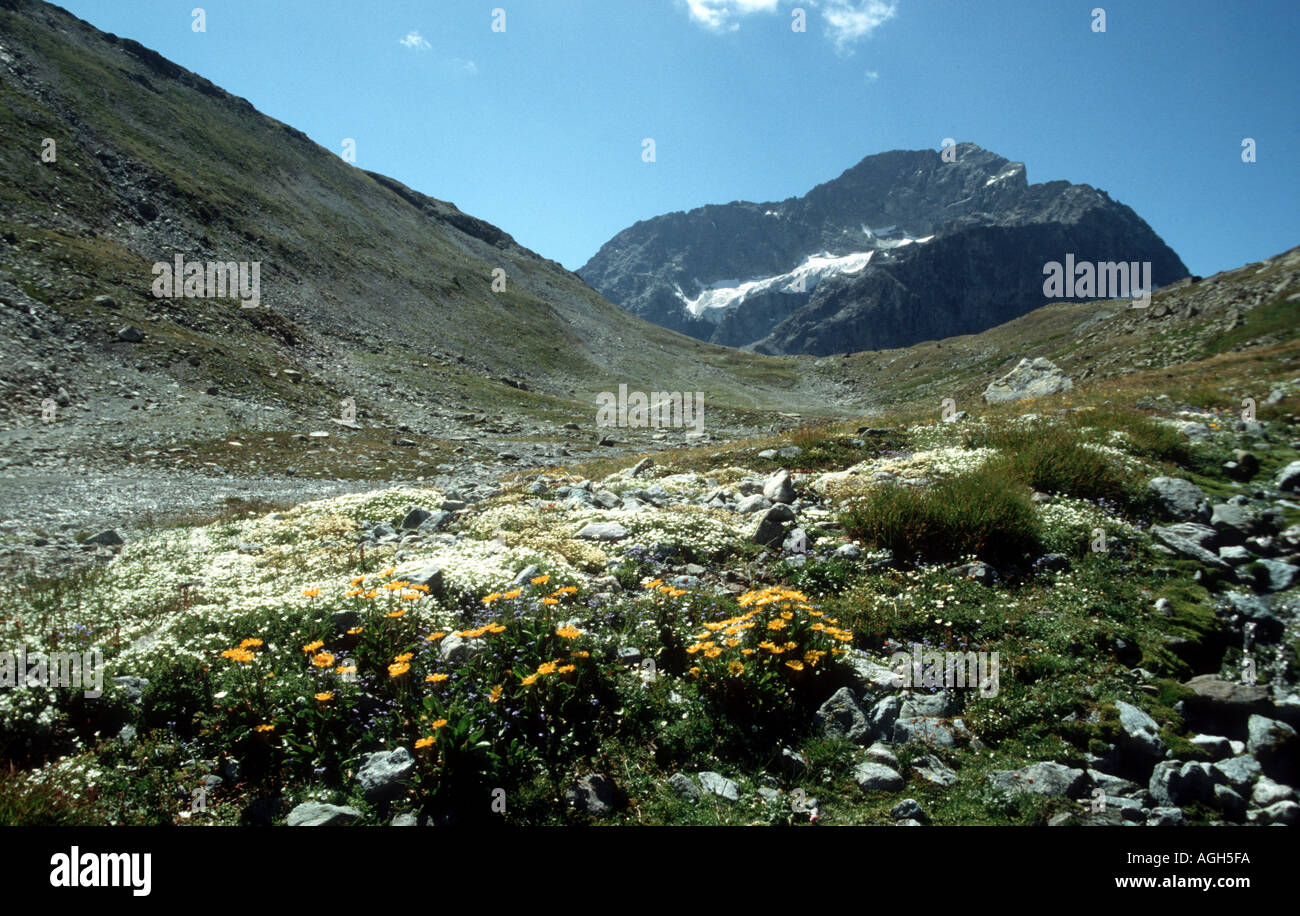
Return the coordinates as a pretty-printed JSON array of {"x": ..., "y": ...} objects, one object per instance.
[
  {"x": 847, "y": 21},
  {"x": 721, "y": 15},
  {"x": 872, "y": 76},
  {"x": 415, "y": 42},
  {"x": 467, "y": 65}
]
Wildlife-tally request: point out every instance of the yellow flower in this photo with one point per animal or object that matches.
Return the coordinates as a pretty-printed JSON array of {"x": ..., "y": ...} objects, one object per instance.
[
  {"x": 549, "y": 601},
  {"x": 513, "y": 594},
  {"x": 495, "y": 694},
  {"x": 565, "y": 669},
  {"x": 731, "y": 643},
  {"x": 713, "y": 653},
  {"x": 434, "y": 637},
  {"x": 795, "y": 664},
  {"x": 398, "y": 669},
  {"x": 569, "y": 632},
  {"x": 355, "y": 631},
  {"x": 357, "y": 580},
  {"x": 746, "y": 651},
  {"x": 695, "y": 672},
  {"x": 374, "y": 592},
  {"x": 422, "y": 743},
  {"x": 242, "y": 656},
  {"x": 655, "y": 584},
  {"x": 528, "y": 680},
  {"x": 488, "y": 599},
  {"x": 265, "y": 728},
  {"x": 736, "y": 667},
  {"x": 582, "y": 654},
  {"x": 540, "y": 580},
  {"x": 419, "y": 588},
  {"x": 249, "y": 643},
  {"x": 437, "y": 723},
  {"x": 311, "y": 592},
  {"x": 495, "y": 628},
  {"x": 413, "y": 597},
  {"x": 566, "y": 590},
  {"x": 546, "y": 668},
  {"x": 346, "y": 669},
  {"x": 787, "y": 615},
  {"x": 436, "y": 678},
  {"x": 405, "y": 657},
  {"x": 313, "y": 646},
  {"x": 777, "y": 624},
  {"x": 389, "y": 571},
  {"x": 323, "y": 660},
  {"x": 325, "y": 697},
  {"x": 352, "y": 593}
]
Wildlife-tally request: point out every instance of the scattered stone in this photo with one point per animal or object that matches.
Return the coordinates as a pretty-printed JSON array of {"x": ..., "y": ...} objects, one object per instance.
[
  {"x": 602, "y": 531},
  {"x": 684, "y": 786},
  {"x": 1180, "y": 500},
  {"x": 1042, "y": 779},
  {"x": 641, "y": 467},
  {"x": 841, "y": 715},
  {"x": 1029, "y": 379},
  {"x": 1288, "y": 478},
  {"x": 718, "y": 785},
  {"x": 779, "y": 488},
  {"x": 130, "y": 334},
  {"x": 1166, "y": 817},
  {"x": 315, "y": 814},
  {"x": 383, "y": 774},
  {"x": 107, "y": 538},
  {"x": 592, "y": 794},
  {"x": 932, "y": 769},
  {"x": 871, "y": 777},
  {"x": 907, "y": 808},
  {"x": 1141, "y": 734}
]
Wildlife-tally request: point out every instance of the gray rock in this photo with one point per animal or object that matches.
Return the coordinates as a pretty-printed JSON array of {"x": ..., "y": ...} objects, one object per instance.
[
  {"x": 1238, "y": 772},
  {"x": 768, "y": 454},
  {"x": 130, "y": 334},
  {"x": 1267, "y": 792},
  {"x": 1235, "y": 523},
  {"x": 1141, "y": 734},
  {"x": 1166, "y": 817},
  {"x": 1179, "y": 499},
  {"x": 841, "y": 715},
  {"x": 1217, "y": 746},
  {"x": 922, "y": 729},
  {"x": 315, "y": 814},
  {"x": 848, "y": 551},
  {"x": 883, "y": 716},
  {"x": 684, "y": 786},
  {"x": 525, "y": 575},
  {"x": 779, "y": 488},
  {"x": 718, "y": 785},
  {"x": 796, "y": 541},
  {"x": 430, "y": 576},
  {"x": 1174, "y": 782},
  {"x": 979, "y": 571},
  {"x": 434, "y": 521},
  {"x": 921, "y": 704},
  {"x": 1042, "y": 779},
  {"x": 383, "y": 774},
  {"x": 607, "y": 498},
  {"x": 868, "y": 676},
  {"x": 1280, "y": 575},
  {"x": 793, "y": 763},
  {"x": 1229, "y": 802},
  {"x": 106, "y": 538},
  {"x": 872, "y": 777},
  {"x": 789, "y": 451},
  {"x": 880, "y": 753},
  {"x": 907, "y": 808},
  {"x": 1029, "y": 379},
  {"x": 602, "y": 531},
  {"x": 932, "y": 769},
  {"x": 414, "y": 518},
  {"x": 405, "y": 819},
  {"x": 770, "y": 530},
  {"x": 1274, "y": 744},
  {"x": 1288, "y": 478},
  {"x": 455, "y": 649},
  {"x": 641, "y": 467},
  {"x": 755, "y": 502},
  {"x": 132, "y": 687},
  {"x": 1286, "y": 813},
  {"x": 1188, "y": 548},
  {"x": 592, "y": 794}
]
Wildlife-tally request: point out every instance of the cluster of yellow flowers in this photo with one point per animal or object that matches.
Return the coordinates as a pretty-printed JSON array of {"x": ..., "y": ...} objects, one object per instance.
[
  {"x": 670, "y": 590},
  {"x": 772, "y": 611},
  {"x": 551, "y": 599}
]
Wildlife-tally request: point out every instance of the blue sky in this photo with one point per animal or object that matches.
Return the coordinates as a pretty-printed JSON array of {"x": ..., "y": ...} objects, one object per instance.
[{"x": 539, "y": 128}]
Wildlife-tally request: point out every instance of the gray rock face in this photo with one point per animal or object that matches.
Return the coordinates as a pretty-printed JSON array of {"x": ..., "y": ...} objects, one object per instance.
[
  {"x": 1278, "y": 575},
  {"x": 1166, "y": 817},
  {"x": 455, "y": 649},
  {"x": 876, "y": 777},
  {"x": 1235, "y": 523},
  {"x": 1029, "y": 379},
  {"x": 719, "y": 786},
  {"x": 770, "y": 530},
  {"x": 1180, "y": 500},
  {"x": 1285, "y": 813},
  {"x": 908, "y": 808},
  {"x": 841, "y": 715},
  {"x": 315, "y": 814},
  {"x": 383, "y": 774},
  {"x": 755, "y": 502},
  {"x": 414, "y": 518},
  {"x": 602, "y": 531},
  {"x": 992, "y": 234},
  {"x": 1267, "y": 792},
  {"x": 883, "y": 716},
  {"x": 1141, "y": 733},
  {"x": 106, "y": 538},
  {"x": 430, "y": 576},
  {"x": 592, "y": 794},
  {"x": 1042, "y": 779}
]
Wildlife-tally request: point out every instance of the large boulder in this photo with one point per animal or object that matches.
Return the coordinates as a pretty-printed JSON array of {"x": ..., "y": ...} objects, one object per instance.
[
  {"x": 383, "y": 774},
  {"x": 1180, "y": 500},
  {"x": 1288, "y": 479},
  {"x": 315, "y": 814},
  {"x": 1141, "y": 734},
  {"x": 1029, "y": 379},
  {"x": 841, "y": 715},
  {"x": 1043, "y": 779}
]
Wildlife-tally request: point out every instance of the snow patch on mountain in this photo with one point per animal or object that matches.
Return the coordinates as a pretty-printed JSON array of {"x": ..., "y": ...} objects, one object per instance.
[{"x": 724, "y": 295}]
